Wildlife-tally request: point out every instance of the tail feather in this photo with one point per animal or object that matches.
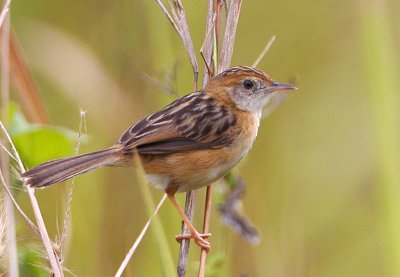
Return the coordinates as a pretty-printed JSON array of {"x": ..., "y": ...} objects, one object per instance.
[{"x": 59, "y": 170}]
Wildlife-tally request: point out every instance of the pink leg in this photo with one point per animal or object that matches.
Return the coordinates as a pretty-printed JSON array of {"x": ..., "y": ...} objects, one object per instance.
[{"x": 198, "y": 238}]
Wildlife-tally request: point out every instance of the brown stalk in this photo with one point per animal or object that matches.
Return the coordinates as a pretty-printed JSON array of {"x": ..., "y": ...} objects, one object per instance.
[
  {"x": 206, "y": 229},
  {"x": 229, "y": 35},
  {"x": 210, "y": 45},
  {"x": 25, "y": 88}
]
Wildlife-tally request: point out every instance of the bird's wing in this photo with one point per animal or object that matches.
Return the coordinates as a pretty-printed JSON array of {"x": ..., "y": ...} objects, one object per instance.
[{"x": 192, "y": 122}]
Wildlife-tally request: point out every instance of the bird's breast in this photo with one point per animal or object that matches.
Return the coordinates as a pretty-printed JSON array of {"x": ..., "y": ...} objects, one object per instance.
[{"x": 186, "y": 171}]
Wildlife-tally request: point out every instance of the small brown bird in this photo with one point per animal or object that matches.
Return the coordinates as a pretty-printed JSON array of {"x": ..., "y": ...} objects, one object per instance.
[{"x": 192, "y": 142}]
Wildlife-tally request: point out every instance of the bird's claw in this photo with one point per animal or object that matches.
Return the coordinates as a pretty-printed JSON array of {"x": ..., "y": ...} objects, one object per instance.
[{"x": 199, "y": 239}]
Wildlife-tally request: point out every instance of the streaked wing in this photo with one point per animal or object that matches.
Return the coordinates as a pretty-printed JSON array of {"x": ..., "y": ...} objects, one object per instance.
[{"x": 192, "y": 122}]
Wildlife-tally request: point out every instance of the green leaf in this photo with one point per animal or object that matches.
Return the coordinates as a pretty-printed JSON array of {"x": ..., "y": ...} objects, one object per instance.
[
  {"x": 38, "y": 143},
  {"x": 42, "y": 144}
]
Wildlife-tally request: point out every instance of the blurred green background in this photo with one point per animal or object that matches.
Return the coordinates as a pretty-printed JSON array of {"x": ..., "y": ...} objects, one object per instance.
[{"x": 323, "y": 181}]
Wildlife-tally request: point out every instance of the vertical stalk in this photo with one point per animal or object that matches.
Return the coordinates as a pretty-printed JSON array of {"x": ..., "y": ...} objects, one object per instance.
[
  {"x": 185, "y": 243},
  {"x": 5, "y": 92},
  {"x": 382, "y": 80},
  {"x": 206, "y": 229}
]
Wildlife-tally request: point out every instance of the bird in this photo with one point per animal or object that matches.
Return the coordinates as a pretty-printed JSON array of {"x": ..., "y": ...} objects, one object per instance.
[{"x": 190, "y": 143}]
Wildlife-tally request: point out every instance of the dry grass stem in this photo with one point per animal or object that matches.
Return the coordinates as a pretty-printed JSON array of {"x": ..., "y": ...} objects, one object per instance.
[
  {"x": 229, "y": 35},
  {"x": 10, "y": 230},
  {"x": 48, "y": 244},
  {"x": 4, "y": 12},
  {"x": 52, "y": 256},
  {"x": 139, "y": 239},
  {"x": 206, "y": 49},
  {"x": 26, "y": 218},
  {"x": 180, "y": 17},
  {"x": 179, "y": 22},
  {"x": 165, "y": 11},
  {"x": 8, "y": 152},
  {"x": 265, "y": 50},
  {"x": 16, "y": 155},
  {"x": 185, "y": 243},
  {"x": 206, "y": 229}
]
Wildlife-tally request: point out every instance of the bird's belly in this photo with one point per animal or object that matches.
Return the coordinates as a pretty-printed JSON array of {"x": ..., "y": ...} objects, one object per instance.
[{"x": 182, "y": 172}]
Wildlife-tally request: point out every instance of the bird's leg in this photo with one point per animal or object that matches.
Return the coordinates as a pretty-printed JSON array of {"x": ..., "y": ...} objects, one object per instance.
[{"x": 198, "y": 238}]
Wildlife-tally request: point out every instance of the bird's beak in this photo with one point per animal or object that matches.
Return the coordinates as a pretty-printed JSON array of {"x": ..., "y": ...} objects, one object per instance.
[{"x": 280, "y": 86}]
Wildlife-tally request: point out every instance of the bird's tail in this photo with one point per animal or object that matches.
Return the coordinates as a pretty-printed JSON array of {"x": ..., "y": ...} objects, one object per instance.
[{"x": 59, "y": 170}]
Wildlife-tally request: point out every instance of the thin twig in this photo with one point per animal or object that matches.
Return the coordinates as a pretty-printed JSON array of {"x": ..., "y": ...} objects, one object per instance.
[
  {"x": 165, "y": 11},
  {"x": 206, "y": 229},
  {"x": 139, "y": 239},
  {"x": 8, "y": 152},
  {"x": 53, "y": 259},
  {"x": 16, "y": 155},
  {"x": 26, "y": 218},
  {"x": 265, "y": 50}
]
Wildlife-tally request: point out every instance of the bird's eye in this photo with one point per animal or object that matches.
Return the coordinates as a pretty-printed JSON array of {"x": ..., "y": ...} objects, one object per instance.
[{"x": 248, "y": 84}]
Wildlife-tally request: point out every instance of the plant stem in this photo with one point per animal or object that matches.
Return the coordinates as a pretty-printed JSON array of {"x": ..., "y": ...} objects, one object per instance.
[
  {"x": 206, "y": 229},
  {"x": 5, "y": 92},
  {"x": 185, "y": 243}
]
